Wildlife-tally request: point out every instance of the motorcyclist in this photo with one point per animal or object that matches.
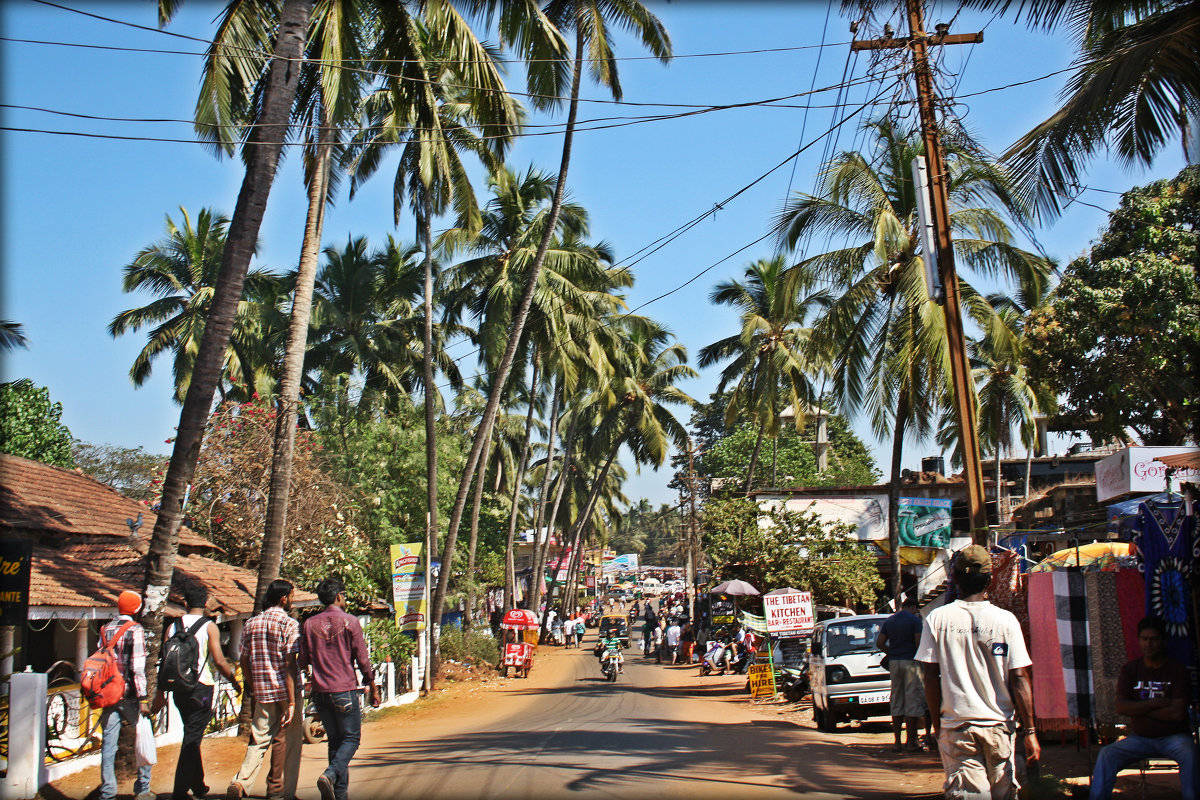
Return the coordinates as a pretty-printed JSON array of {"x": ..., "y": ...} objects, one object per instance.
[{"x": 612, "y": 645}]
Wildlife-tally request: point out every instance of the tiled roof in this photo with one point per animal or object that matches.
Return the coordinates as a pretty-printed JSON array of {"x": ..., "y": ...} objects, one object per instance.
[
  {"x": 92, "y": 575},
  {"x": 52, "y": 502}
]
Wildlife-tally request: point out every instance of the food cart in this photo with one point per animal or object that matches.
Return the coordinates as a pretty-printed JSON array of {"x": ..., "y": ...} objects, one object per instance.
[{"x": 520, "y": 630}]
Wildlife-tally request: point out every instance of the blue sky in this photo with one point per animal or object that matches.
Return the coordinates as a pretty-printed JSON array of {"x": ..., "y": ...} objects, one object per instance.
[{"x": 77, "y": 209}]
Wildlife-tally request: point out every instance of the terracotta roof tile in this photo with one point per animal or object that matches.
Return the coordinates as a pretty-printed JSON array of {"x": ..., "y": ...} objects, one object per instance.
[{"x": 45, "y": 501}]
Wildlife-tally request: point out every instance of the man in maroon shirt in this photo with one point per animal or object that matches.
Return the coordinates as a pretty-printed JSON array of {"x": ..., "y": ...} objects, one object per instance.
[
  {"x": 331, "y": 643},
  {"x": 1154, "y": 692}
]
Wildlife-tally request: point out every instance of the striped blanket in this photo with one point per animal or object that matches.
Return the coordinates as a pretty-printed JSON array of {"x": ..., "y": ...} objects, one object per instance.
[{"x": 1071, "y": 615}]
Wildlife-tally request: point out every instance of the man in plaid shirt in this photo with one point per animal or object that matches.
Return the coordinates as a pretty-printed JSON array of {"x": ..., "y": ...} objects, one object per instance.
[
  {"x": 130, "y": 652},
  {"x": 270, "y": 642}
]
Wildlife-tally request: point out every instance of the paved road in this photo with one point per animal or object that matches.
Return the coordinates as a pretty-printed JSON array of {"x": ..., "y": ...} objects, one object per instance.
[{"x": 564, "y": 732}]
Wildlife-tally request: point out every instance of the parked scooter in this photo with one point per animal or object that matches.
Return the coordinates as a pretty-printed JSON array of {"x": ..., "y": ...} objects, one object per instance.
[
  {"x": 556, "y": 633},
  {"x": 611, "y": 659},
  {"x": 794, "y": 683},
  {"x": 714, "y": 659}
]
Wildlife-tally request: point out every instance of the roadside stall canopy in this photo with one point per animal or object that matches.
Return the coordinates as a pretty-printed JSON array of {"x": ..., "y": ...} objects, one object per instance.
[
  {"x": 735, "y": 588},
  {"x": 1103, "y": 556}
]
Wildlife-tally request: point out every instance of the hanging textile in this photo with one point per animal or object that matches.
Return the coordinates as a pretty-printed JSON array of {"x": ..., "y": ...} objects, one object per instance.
[
  {"x": 1070, "y": 610},
  {"x": 1007, "y": 589},
  {"x": 1165, "y": 543},
  {"x": 1049, "y": 697},
  {"x": 1131, "y": 599},
  {"x": 1108, "y": 642}
]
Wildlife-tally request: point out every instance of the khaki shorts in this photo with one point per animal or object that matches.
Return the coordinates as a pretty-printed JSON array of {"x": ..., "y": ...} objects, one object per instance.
[
  {"x": 979, "y": 763},
  {"x": 908, "y": 688}
]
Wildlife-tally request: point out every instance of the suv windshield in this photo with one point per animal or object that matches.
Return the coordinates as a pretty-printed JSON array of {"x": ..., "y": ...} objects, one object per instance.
[{"x": 851, "y": 637}]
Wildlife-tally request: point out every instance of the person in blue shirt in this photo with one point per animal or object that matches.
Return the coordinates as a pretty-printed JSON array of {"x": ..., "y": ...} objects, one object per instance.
[{"x": 898, "y": 638}]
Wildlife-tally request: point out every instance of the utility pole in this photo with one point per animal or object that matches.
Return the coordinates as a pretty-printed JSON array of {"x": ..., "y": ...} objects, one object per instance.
[
  {"x": 964, "y": 392},
  {"x": 691, "y": 535}
]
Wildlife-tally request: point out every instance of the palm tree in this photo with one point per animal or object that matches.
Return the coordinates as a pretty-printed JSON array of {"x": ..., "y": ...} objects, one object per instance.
[
  {"x": 181, "y": 272},
  {"x": 771, "y": 363},
  {"x": 884, "y": 336},
  {"x": 1135, "y": 87},
  {"x": 261, "y": 150},
  {"x": 12, "y": 335},
  {"x": 538, "y": 36}
]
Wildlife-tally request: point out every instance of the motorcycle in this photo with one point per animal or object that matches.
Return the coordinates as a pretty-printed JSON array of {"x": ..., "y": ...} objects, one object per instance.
[
  {"x": 794, "y": 682},
  {"x": 611, "y": 660},
  {"x": 714, "y": 659},
  {"x": 556, "y": 633}
]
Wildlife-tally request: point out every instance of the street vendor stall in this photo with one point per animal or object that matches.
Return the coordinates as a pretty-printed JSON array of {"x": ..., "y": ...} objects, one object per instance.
[{"x": 520, "y": 632}]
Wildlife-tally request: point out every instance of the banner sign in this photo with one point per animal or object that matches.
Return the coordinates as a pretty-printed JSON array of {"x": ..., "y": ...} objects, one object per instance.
[
  {"x": 1135, "y": 470},
  {"x": 16, "y": 565},
  {"x": 722, "y": 611},
  {"x": 789, "y": 614},
  {"x": 623, "y": 563},
  {"x": 408, "y": 586},
  {"x": 867, "y": 514},
  {"x": 762, "y": 680},
  {"x": 924, "y": 521}
]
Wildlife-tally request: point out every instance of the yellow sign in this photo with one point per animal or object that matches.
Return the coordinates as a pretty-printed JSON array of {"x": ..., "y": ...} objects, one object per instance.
[
  {"x": 762, "y": 680},
  {"x": 408, "y": 586}
]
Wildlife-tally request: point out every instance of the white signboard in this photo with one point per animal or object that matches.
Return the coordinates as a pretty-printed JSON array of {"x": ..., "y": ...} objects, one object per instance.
[
  {"x": 1134, "y": 470},
  {"x": 868, "y": 514},
  {"x": 789, "y": 614}
]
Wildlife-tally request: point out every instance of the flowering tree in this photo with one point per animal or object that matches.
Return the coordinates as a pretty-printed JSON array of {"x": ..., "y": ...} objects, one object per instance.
[{"x": 229, "y": 501}]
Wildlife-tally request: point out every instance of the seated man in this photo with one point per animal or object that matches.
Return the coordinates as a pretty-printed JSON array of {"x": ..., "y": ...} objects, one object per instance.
[{"x": 1154, "y": 692}]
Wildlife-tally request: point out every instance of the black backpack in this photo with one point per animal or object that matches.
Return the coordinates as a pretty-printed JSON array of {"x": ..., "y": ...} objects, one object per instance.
[{"x": 179, "y": 664}]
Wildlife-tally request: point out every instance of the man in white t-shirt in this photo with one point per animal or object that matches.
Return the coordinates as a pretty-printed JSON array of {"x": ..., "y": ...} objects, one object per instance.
[
  {"x": 977, "y": 682},
  {"x": 673, "y": 633}
]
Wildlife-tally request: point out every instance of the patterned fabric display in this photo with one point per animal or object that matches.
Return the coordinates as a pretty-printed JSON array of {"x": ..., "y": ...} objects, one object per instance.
[
  {"x": 1165, "y": 543},
  {"x": 1070, "y": 609},
  {"x": 1049, "y": 699},
  {"x": 1108, "y": 642}
]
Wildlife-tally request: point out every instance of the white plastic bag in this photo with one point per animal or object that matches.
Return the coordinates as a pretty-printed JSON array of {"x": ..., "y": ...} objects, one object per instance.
[{"x": 147, "y": 753}]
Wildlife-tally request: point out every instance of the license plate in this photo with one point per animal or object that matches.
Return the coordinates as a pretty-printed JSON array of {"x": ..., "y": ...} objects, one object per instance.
[{"x": 878, "y": 697}]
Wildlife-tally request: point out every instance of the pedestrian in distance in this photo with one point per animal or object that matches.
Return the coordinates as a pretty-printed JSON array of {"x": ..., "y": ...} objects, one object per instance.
[
  {"x": 672, "y": 641},
  {"x": 128, "y": 640},
  {"x": 196, "y": 706},
  {"x": 270, "y": 645},
  {"x": 977, "y": 684},
  {"x": 580, "y": 629},
  {"x": 899, "y": 637},
  {"x": 656, "y": 643},
  {"x": 1154, "y": 692},
  {"x": 331, "y": 644}
]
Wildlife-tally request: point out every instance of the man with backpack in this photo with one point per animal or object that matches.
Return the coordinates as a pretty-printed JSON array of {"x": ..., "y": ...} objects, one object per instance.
[
  {"x": 191, "y": 651},
  {"x": 270, "y": 642},
  {"x": 118, "y": 678},
  {"x": 331, "y": 643}
]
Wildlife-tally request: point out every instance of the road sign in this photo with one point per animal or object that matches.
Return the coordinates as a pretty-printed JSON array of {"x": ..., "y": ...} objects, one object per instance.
[
  {"x": 762, "y": 680},
  {"x": 789, "y": 614}
]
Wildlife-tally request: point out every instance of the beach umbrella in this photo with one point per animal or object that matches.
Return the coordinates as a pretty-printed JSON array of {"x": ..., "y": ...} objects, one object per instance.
[{"x": 735, "y": 588}]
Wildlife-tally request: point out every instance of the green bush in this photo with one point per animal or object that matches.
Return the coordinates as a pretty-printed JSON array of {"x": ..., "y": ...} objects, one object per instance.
[
  {"x": 388, "y": 641},
  {"x": 474, "y": 646}
]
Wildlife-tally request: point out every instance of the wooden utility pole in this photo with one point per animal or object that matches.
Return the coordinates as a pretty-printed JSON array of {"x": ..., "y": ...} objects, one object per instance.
[{"x": 964, "y": 392}]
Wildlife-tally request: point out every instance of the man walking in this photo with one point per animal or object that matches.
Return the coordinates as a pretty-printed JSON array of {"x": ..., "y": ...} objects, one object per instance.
[
  {"x": 195, "y": 707},
  {"x": 330, "y": 646},
  {"x": 128, "y": 640},
  {"x": 270, "y": 643},
  {"x": 672, "y": 638},
  {"x": 976, "y": 678},
  {"x": 898, "y": 637},
  {"x": 1154, "y": 692}
]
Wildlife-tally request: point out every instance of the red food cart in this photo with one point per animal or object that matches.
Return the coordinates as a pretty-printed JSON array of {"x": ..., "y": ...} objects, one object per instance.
[{"x": 519, "y": 626}]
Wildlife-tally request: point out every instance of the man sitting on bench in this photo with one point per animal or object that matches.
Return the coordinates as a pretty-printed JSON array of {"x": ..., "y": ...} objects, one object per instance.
[{"x": 1154, "y": 692}]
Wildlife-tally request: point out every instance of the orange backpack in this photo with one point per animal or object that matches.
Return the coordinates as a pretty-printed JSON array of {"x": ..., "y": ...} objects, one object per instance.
[{"x": 100, "y": 680}]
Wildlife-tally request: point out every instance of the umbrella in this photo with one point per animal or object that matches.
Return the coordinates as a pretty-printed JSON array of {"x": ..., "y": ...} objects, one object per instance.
[
  {"x": 520, "y": 619},
  {"x": 784, "y": 590},
  {"x": 735, "y": 588},
  {"x": 1101, "y": 553}
]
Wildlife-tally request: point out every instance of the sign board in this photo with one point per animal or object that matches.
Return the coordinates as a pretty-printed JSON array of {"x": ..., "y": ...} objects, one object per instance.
[
  {"x": 408, "y": 586},
  {"x": 762, "y": 680},
  {"x": 924, "y": 521},
  {"x": 867, "y": 514},
  {"x": 789, "y": 614},
  {"x": 722, "y": 611},
  {"x": 791, "y": 652},
  {"x": 16, "y": 565},
  {"x": 1135, "y": 470}
]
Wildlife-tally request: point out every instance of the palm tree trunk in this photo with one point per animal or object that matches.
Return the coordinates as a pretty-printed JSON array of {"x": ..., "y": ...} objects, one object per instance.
[
  {"x": 518, "y": 328},
  {"x": 539, "y": 517},
  {"x": 473, "y": 542},
  {"x": 894, "y": 495},
  {"x": 754, "y": 457},
  {"x": 270, "y": 562},
  {"x": 431, "y": 494},
  {"x": 510, "y": 576},
  {"x": 262, "y": 157}
]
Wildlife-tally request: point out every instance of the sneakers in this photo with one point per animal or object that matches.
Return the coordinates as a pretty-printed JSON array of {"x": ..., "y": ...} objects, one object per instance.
[
  {"x": 235, "y": 792},
  {"x": 325, "y": 786}
]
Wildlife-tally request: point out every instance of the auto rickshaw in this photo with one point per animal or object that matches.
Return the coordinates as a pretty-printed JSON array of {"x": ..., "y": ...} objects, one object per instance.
[
  {"x": 519, "y": 637},
  {"x": 613, "y": 626}
]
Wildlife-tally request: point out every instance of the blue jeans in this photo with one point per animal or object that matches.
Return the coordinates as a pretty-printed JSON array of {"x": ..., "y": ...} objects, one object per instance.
[
  {"x": 1133, "y": 748},
  {"x": 342, "y": 719},
  {"x": 110, "y": 724}
]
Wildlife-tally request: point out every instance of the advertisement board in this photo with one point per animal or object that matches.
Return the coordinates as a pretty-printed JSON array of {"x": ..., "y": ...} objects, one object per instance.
[
  {"x": 722, "y": 611},
  {"x": 408, "y": 586},
  {"x": 867, "y": 514},
  {"x": 1134, "y": 470},
  {"x": 924, "y": 521},
  {"x": 762, "y": 680},
  {"x": 789, "y": 614},
  {"x": 16, "y": 565}
]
